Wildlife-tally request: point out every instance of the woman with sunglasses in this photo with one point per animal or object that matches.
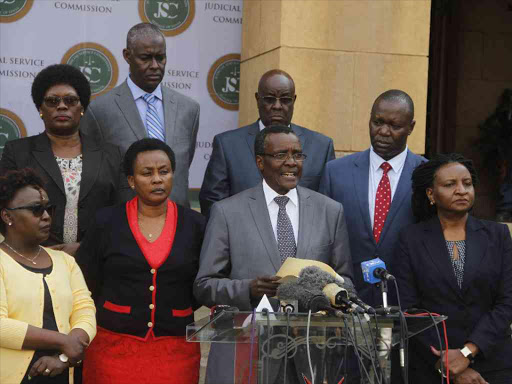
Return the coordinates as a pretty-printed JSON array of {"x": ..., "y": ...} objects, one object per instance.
[
  {"x": 80, "y": 175},
  {"x": 47, "y": 316}
]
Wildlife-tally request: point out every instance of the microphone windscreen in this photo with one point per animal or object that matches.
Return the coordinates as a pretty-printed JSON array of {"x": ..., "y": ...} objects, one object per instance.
[{"x": 315, "y": 278}]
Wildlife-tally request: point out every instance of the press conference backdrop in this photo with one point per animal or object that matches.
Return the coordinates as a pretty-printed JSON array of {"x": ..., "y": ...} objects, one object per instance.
[{"x": 203, "y": 56}]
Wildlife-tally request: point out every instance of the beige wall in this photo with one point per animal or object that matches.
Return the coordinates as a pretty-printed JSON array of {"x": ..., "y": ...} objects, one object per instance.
[{"x": 342, "y": 55}]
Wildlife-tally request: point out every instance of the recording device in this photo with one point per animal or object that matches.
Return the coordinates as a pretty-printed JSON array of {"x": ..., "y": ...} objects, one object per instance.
[
  {"x": 375, "y": 271},
  {"x": 289, "y": 306},
  {"x": 336, "y": 289},
  {"x": 308, "y": 299}
]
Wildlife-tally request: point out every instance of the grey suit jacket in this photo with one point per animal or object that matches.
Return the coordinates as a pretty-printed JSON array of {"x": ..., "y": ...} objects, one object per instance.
[
  {"x": 114, "y": 118},
  {"x": 232, "y": 166},
  {"x": 240, "y": 245}
]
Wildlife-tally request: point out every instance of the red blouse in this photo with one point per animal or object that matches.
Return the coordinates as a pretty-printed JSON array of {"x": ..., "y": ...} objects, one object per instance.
[{"x": 155, "y": 252}]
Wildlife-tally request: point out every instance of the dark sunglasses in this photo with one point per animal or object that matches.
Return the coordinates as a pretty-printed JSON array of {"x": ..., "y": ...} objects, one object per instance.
[
  {"x": 54, "y": 101},
  {"x": 37, "y": 209}
]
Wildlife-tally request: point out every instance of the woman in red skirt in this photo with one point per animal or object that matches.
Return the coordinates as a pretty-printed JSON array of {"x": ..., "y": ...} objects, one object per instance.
[{"x": 139, "y": 260}]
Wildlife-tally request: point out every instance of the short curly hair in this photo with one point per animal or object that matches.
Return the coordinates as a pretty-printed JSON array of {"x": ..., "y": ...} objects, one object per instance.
[
  {"x": 11, "y": 182},
  {"x": 145, "y": 145},
  {"x": 58, "y": 74},
  {"x": 259, "y": 142},
  {"x": 423, "y": 178}
]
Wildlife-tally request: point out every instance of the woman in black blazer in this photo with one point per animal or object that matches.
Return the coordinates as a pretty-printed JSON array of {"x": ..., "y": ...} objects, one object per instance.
[
  {"x": 453, "y": 264},
  {"x": 80, "y": 175},
  {"x": 140, "y": 260}
]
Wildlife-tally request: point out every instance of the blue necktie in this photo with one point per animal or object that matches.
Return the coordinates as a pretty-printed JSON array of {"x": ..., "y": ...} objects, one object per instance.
[{"x": 153, "y": 123}]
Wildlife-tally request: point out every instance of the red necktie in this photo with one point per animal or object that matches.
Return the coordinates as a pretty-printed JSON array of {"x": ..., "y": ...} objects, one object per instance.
[{"x": 382, "y": 202}]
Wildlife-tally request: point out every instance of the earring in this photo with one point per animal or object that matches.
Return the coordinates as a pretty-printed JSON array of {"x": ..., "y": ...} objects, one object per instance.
[
  {"x": 133, "y": 186},
  {"x": 41, "y": 115},
  {"x": 9, "y": 224},
  {"x": 431, "y": 202},
  {"x": 82, "y": 113}
]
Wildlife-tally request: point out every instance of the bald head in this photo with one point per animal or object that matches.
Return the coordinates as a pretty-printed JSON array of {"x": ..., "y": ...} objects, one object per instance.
[
  {"x": 396, "y": 96},
  {"x": 274, "y": 72},
  {"x": 142, "y": 31}
]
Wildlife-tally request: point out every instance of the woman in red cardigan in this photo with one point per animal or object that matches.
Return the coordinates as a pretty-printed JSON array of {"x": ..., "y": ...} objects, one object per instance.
[{"x": 139, "y": 260}]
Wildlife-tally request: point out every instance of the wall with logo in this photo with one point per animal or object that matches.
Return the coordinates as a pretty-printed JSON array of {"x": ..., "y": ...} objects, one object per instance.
[{"x": 203, "y": 56}]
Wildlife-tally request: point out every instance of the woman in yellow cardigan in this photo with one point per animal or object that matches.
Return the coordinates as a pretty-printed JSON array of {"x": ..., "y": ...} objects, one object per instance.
[{"x": 47, "y": 316}]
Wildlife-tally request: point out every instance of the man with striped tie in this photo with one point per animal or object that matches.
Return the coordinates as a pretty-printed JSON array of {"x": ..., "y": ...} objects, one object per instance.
[{"x": 142, "y": 107}]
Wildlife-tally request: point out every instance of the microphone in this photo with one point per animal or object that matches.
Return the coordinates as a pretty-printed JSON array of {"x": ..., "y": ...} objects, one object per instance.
[
  {"x": 308, "y": 299},
  {"x": 368, "y": 309},
  {"x": 375, "y": 271},
  {"x": 335, "y": 288}
]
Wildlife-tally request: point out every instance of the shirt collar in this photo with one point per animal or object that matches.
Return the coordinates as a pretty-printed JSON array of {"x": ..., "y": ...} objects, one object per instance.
[
  {"x": 396, "y": 162},
  {"x": 138, "y": 92},
  {"x": 263, "y": 127},
  {"x": 270, "y": 194}
]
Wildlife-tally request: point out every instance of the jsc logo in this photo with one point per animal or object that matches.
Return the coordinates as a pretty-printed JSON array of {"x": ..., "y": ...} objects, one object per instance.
[
  {"x": 224, "y": 81},
  {"x": 11, "y": 128},
  {"x": 97, "y": 64},
  {"x": 171, "y": 16},
  {"x": 12, "y": 10}
]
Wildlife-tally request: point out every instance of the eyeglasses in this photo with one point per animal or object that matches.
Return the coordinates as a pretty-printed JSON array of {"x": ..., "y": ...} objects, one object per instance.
[
  {"x": 54, "y": 101},
  {"x": 37, "y": 209},
  {"x": 271, "y": 100},
  {"x": 283, "y": 156}
]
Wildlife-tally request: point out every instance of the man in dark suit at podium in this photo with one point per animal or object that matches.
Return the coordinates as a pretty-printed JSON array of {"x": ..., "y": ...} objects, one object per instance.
[{"x": 232, "y": 168}]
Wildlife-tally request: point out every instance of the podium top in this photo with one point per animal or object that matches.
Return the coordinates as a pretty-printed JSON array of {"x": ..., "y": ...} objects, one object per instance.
[{"x": 241, "y": 327}]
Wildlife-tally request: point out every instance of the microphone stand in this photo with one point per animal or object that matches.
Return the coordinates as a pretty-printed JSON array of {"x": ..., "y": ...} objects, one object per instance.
[{"x": 384, "y": 290}]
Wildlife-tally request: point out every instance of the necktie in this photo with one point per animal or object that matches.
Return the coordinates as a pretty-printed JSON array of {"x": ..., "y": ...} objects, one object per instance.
[
  {"x": 153, "y": 123},
  {"x": 285, "y": 238},
  {"x": 382, "y": 202}
]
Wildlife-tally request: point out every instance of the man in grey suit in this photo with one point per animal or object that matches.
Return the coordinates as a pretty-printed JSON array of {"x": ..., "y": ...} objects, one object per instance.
[
  {"x": 232, "y": 168},
  {"x": 250, "y": 234},
  {"x": 141, "y": 107}
]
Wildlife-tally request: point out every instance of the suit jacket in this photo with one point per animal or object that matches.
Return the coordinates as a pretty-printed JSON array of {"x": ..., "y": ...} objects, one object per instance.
[
  {"x": 114, "y": 118},
  {"x": 103, "y": 182},
  {"x": 118, "y": 275},
  {"x": 346, "y": 181},
  {"x": 480, "y": 312},
  {"x": 240, "y": 245},
  {"x": 232, "y": 166}
]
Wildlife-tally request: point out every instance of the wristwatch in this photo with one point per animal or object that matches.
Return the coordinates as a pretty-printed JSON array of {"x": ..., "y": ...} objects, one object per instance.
[
  {"x": 63, "y": 358},
  {"x": 466, "y": 352}
]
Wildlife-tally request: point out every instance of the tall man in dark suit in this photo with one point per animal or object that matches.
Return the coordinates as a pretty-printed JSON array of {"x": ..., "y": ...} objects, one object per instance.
[
  {"x": 250, "y": 234},
  {"x": 232, "y": 168},
  {"x": 374, "y": 187},
  {"x": 141, "y": 107}
]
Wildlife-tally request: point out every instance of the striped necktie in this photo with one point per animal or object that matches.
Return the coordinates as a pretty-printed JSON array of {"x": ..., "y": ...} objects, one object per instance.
[{"x": 153, "y": 123}]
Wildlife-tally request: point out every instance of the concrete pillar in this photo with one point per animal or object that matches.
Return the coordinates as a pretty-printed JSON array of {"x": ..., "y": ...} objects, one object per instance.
[{"x": 342, "y": 54}]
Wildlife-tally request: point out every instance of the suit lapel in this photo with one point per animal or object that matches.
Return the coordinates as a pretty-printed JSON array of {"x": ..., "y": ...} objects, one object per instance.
[
  {"x": 43, "y": 153},
  {"x": 130, "y": 111},
  {"x": 435, "y": 244},
  {"x": 259, "y": 210},
  {"x": 299, "y": 131},
  {"x": 170, "y": 112},
  {"x": 476, "y": 249},
  {"x": 403, "y": 190},
  {"x": 360, "y": 174},
  {"x": 306, "y": 220},
  {"x": 251, "y": 137},
  {"x": 91, "y": 162}
]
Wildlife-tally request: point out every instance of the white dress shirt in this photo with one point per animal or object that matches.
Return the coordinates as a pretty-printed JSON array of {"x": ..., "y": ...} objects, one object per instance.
[
  {"x": 292, "y": 208},
  {"x": 142, "y": 106},
  {"x": 375, "y": 174},
  {"x": 262, "y": 127}
]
